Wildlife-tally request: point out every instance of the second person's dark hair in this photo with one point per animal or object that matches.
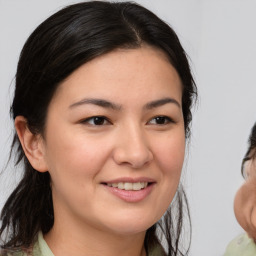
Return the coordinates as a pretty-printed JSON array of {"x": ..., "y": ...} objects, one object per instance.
[{"x": 251, "y": 151}]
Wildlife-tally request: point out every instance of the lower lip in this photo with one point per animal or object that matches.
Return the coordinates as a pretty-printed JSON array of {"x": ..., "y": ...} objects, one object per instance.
[{"x": 131, "y": 196}]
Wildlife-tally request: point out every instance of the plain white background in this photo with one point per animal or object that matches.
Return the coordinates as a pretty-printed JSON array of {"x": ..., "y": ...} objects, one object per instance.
[{"x": 219, "y": 36}]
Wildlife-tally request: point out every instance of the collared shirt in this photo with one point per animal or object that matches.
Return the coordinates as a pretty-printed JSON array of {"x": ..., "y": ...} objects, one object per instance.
[
  {"x": 41, "y": 248},
  {"x": 241, "y": 246}
]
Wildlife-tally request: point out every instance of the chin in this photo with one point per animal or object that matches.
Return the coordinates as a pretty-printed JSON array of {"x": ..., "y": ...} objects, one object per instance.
[{"x": 131, "y": 225}]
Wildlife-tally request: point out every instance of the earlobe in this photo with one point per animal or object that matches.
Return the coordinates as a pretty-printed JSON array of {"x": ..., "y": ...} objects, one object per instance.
[{"x": 32, "y": 145}]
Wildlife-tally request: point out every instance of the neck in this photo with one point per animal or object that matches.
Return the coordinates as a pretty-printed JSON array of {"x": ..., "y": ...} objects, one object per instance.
[{"x": 67, "y": 240}]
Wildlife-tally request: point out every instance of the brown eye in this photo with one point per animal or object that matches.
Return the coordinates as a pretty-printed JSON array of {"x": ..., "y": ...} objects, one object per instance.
[
  {"x": 160, "y": 120},
  {"x": 96, "y": 121}
]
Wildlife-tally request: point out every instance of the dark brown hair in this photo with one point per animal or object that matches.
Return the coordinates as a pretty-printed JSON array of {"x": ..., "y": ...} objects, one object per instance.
[{"x": 57, "y": 47}]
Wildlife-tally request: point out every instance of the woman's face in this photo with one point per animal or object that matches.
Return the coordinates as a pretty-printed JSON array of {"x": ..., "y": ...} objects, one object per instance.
[{"x": 114, "y": 142}]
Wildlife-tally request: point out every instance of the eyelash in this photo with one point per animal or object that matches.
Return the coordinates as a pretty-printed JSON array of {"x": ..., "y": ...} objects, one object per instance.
[
  {"x": 166, "y": 120},
  {"x": 96, "y": 119},
  {"x": 102, "y": 120}
]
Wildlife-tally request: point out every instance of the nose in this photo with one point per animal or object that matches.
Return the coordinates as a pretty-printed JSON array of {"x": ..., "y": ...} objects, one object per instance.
[{"x": 132, "y": 148}]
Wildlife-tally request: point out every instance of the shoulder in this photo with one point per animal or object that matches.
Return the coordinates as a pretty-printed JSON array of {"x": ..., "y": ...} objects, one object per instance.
[
  {"x": 33, "y": 250},
  {"x": 19, "y": 251},
  {"x": 157, "y": 251},
  {"x": 12, "y": 253},
  {"x": 242, "y": 245}
]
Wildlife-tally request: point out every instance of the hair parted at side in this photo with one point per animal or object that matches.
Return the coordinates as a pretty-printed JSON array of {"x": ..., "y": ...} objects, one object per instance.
[{"x": 62, "y": 43}]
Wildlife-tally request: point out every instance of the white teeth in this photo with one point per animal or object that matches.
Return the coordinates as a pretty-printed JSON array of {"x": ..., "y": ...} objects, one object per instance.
[
  {"x": 128, "y": 185},
  {"x": 138, "y": 185},
  {"x": 120, "y": 185},
  {"x": 115, "y": 185}
]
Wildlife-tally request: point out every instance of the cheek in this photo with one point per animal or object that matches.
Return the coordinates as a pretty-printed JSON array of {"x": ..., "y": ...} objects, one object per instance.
[
  {"x": 170, "y": 154},
  {"x": 73, "y": 160},
  {"x": 240, "y": 208},
  {"x": 244, "y": 203},
  {"x": 74, "y": 164},
  {"x": 170, "y": 157}
]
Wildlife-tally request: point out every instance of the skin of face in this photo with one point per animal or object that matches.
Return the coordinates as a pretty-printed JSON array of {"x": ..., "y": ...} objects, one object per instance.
[
  {"x": 245, "y": 200},
  {"x": 138, "y": 134}
]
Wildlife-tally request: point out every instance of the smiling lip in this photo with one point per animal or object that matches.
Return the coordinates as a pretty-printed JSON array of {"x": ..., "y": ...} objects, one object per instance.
[{"x": 127, "y": 195}]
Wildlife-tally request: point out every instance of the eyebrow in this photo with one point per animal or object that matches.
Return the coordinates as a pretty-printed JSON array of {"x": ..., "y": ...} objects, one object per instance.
[
  {"x": 98, "y": 102},
  {"x": 107, "y": 104},
  {"x": 161, "y": 102}
]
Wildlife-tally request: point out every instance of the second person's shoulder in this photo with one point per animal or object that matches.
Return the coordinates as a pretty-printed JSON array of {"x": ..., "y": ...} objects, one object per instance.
[{"x": 242, "y": 245}]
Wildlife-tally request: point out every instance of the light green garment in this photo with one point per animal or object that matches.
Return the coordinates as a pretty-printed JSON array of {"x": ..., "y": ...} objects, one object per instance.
[
  {"x": 41, "y": 248},
  {"x": 241, "y": 246}
]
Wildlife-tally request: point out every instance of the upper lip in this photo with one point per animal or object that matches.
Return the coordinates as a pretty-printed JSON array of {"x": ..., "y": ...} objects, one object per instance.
[{"x": 131, "y": 180}]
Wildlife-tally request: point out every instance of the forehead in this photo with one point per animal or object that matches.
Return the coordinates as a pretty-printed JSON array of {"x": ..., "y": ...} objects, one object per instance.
[{"x": 124, "y": 71}]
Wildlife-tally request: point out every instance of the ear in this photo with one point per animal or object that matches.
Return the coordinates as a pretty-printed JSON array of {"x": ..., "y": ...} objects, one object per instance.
[{"x": 32, "y": 144}]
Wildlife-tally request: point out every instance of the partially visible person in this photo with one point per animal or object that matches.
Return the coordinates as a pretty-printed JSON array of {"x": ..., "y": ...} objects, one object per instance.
[{"x": 245, "y": 205}]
